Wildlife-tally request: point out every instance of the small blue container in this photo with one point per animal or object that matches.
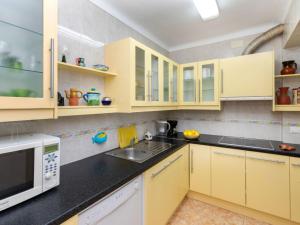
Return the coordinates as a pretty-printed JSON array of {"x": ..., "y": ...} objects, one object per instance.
[{"x": 99, "y": 138}]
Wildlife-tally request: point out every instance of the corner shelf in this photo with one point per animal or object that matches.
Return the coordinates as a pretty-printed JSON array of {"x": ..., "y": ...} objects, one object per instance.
[
  {"x": 287, "y": 76},
  {"x": 287, "y": 108},
  {"x": 85, "y": 110},
  {"x": 86, "y": 70}
]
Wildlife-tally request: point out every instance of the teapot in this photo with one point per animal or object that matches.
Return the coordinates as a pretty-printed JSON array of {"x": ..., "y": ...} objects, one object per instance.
[
  {"x": 92, "y": 97},
  {"x": 73, "y": 96},
  {"x": 289, "y": 67}
]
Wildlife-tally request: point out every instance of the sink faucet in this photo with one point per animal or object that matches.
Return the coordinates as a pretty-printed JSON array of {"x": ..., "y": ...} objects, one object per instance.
[{"x": 132, "y": 142}]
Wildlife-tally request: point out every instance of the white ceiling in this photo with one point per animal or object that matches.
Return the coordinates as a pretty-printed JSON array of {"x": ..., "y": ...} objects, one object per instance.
[{"x": 176, "y": 24}]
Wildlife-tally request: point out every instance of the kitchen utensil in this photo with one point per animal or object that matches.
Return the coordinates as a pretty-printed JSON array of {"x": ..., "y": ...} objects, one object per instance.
[
  {"x": 73, "y": 96},
  {"x": 106, "y": 101},
  {"x": 126, "y": 135},
  {"x": 295, "y": 96},
  {"x": 99, "y": 138},
  {"x": 92, "y": 97},
  {"x": 173, "y": 125},
  {"x": 289, "y": 67},
  {"x": 101, "y": 67},
  {"x": 282, "y": 96},
  {"x": 286, "y": 147},
  {"x": 163, "y": 127},
  {"x": 148, "y": 136},
  {"x": 80, "y": 62},
  {"x": 191, "y": 134}
]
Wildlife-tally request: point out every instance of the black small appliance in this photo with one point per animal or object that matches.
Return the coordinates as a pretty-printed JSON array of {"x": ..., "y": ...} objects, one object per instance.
[{"x": 172, "y": 131}]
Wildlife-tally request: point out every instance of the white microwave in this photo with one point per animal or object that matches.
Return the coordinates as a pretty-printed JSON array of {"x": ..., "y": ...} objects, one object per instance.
[{"x": 29, "y": 166}]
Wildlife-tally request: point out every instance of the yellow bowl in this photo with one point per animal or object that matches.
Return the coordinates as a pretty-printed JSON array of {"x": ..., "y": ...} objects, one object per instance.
[{"x": 191, "y": 137}]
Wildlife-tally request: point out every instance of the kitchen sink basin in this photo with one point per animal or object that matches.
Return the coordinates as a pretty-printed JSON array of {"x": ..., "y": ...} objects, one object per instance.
[{"x": 141, "y": 152}]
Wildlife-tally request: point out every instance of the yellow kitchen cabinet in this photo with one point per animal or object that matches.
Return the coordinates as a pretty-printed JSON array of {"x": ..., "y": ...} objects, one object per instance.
[
  {"x": 267, "y": 183},
  {"x": 72, "y": 221},
  {"x": 228, "y": 175},
  {"x": 174, "y": 84},
  {"x": 170, "y": 82},
  {"x": 199, "y": 85},
  {"x": 247, "y": 77},
  {"x": 140, "y": 69},
  {"x": 200, "y": 169},
  {"x": 295, "y": 188},
  {"x": 29, "y": 72},
  {"x": 165, "y": 186}
]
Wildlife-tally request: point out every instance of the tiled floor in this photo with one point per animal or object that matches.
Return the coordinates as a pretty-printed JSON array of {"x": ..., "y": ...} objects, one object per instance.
[{"x": 193, "y": 212}]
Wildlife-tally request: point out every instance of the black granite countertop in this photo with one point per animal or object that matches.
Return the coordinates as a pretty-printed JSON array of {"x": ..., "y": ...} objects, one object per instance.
[
  {"x": 86, "y": 181},
  {"x": 213, "y": 140},
  {"x": 82, "y": 183}
]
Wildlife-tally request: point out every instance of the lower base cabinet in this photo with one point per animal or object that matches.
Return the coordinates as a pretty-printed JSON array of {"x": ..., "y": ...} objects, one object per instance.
[
  {"x": 72, "y": 221},
  {"x": 165, "y": 186},
  {"x": 295, "y": 189},
  {"x": 268, "y": 184},
  {"x": 228, "y": 175},
  {"x": 200, "y": 169}
]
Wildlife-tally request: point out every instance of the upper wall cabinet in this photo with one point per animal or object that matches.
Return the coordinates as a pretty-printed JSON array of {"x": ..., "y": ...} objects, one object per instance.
[
  {"x": 147, "y": 80},
  {"x": 291, "y": 37},
  {"x": 200, "y": 85},
  {"x": 28, "y": 59},
  {"x": 247, "y": 77}
]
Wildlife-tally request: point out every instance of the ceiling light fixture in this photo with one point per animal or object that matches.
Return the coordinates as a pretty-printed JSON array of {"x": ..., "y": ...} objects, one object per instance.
[{"x": 208, "y": 9}]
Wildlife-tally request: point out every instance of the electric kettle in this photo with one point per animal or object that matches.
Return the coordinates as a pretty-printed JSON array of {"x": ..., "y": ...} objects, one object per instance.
[{"x": 162, "y": 127}]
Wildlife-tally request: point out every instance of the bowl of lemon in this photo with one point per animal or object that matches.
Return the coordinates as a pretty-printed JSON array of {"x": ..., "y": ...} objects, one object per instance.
[{"x": 191, "y": 134}]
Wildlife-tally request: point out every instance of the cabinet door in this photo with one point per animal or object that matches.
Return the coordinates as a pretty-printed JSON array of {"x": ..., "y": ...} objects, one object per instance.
[
  {"x": 267, "y": 179},
  {"x": 72, "y": 221},
  {"x": 295, "y": 189},
  {"x": 141, "y": 76},
  {"x": 174, "y": 84},
  {"x": 228, "y": 175},
  {"x": 200, "y": 174},
  {"x": 166, "y": 81},
  {"x": 165, "y": 185},
  {"x": 247, "y": 76},
  {"x": 27, "y": 67},
  {"x": 188, "y": 83},
  {"x": 154, "y": 95},
  {"x": 208, "y": 82}
]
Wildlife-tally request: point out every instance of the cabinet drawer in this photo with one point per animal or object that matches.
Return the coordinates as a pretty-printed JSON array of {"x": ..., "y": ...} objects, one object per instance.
[
  {"x": 267, "y": 183},
  {"x": 228, "y": 175}
]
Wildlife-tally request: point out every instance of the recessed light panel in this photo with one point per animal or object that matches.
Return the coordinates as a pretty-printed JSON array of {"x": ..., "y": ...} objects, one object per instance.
[{"x": 208, "y": 9}]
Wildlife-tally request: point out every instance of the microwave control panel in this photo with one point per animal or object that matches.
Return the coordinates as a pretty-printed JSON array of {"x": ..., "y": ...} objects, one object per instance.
[{"x": 51, "y": 166}]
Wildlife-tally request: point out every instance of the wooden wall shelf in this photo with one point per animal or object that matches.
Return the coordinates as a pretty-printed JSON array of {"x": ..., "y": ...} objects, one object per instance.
[
  {"x": 287, "y": 108},
  {"x": 86, "y": 70},
  {"x": 85, "y": 110},
  {"x": 287, "y": 76}
]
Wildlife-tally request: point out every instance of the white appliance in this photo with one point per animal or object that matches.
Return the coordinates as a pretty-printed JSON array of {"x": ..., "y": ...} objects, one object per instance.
[
  {"x": 29, "y": 166},
  {"x": 124, "y": 206}
]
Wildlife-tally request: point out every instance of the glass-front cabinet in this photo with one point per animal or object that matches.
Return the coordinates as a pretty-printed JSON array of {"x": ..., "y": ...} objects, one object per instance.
[
  {"x": 166, "y": 81},
  {"x": 174, "y": 83},
  {"x": 28, "y": 54},
  {"x": 188, "y": 82},
  {"x": 208, "y": 82}
]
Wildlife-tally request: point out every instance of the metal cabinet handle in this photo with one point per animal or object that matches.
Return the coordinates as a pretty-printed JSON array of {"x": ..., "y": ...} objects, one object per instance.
[
  {"x": 267, "y": 160},
  {"x": 4, "y": 203},
  {"x": 296, "y": 164},
  {"x": 192, "y": 161},
  {"x": 199, "y": 90},
  {"x": 228, "y": 154},
  {"x": 165, "y": 167},
  {"x": 222, "y": 81},
  {"x": 52, "y": 72}
]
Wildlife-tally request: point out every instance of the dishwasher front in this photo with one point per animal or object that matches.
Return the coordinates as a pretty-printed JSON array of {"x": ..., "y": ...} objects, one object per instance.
[{"x": 123, "y": 207}]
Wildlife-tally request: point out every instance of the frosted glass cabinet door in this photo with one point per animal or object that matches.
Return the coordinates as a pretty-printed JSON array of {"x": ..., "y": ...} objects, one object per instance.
[
  {"x": 208, "y": 81},
  {"x": 166, "y": 81},
  {"x": 27, "y": 67},
  {"x": 174, "y": 83},
  {"x": 189, "y": 84},
  {"x": 140, "y": 74},
  {"x": 154, "y": 79}
]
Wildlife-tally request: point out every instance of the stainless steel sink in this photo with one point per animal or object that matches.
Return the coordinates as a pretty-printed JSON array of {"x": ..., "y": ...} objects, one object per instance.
[{"x": 141, "y": 152}]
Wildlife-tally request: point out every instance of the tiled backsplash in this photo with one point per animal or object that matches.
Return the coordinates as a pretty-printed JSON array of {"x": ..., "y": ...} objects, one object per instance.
[{"x": 76, "y": 132}]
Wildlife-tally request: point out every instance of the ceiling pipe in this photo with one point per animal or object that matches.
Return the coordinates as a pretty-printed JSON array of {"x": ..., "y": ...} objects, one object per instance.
[{"x": 263, "y": 38}]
